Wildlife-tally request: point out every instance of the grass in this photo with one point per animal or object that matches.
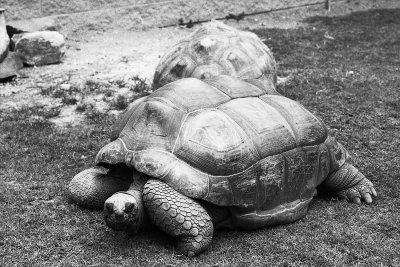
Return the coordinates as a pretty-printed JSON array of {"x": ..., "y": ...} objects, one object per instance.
[{"x": 345, "y": 70}]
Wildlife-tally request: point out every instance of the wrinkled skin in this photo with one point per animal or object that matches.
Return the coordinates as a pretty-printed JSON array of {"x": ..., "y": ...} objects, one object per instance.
[{"x": 124, "y": 212}]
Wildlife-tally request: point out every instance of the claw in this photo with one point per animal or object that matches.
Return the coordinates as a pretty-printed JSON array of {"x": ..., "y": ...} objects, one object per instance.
[
  {"x": 361, "y": 192},
  {"x": 374, "y": 192},
  {"x": 367, "y": 198},
  {"x": 357, "y": 200}
]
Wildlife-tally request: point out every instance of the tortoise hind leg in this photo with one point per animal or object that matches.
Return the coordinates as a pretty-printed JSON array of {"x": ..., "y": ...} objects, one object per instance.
[
  {"x": 178, "y": 216},
  {"x": 350, "y": 184}
]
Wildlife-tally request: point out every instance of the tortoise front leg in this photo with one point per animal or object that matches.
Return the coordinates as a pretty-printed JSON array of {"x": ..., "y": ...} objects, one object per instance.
[
  {"x": 90, "y": 188},
  {"x": 350, "y": 184},
  {"x": 178, "y": 216}
]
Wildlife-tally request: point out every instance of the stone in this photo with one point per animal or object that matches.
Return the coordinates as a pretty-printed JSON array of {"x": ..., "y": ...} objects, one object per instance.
[
  {"x": 65, "y": 86},
  {"x": 10, "y": 65},
  {"x": 39, "y": 48},
  {"x": 14, "y": 39},
  {"x": 4, "y": 39}
]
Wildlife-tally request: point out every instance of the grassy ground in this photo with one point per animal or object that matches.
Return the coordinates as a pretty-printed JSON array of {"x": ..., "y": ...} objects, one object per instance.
[{"x": 345, "y": 70}]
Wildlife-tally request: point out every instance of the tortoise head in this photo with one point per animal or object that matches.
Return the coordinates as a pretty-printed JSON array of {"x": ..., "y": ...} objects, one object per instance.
[{"x": 124, "y": 211}]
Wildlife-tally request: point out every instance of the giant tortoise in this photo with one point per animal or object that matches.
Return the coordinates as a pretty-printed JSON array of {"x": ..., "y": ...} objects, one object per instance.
[
  {"x": 219, "y": 152},
  {"x": 215, "y": 49}
]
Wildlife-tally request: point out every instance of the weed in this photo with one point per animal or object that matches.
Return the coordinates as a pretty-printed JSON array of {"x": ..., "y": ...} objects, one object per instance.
[
  {"x": 120, "y": 102},
  {"x": 67, "y": 93},
  {"x": 120, "y": 83},
  {"x": 95, "y": 86},
  {"x": 68, "y": 100},
  {"x": 108, "y": 93},
  {"x": 47, "y": 90},
  {"x": 140, "y": 85},
  {"x": 85, "y": 106}
]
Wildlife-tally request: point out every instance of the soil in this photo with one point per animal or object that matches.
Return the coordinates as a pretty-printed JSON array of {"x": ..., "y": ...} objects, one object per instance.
[{"x": 107, "y": 49}]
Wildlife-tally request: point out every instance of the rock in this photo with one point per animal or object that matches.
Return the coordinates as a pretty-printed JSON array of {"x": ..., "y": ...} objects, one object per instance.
[
  {"x": 14, "y": 39},
  {"x": 11, "y": 31},
  {"x": 10, "y": 62},
  {"x": 39, "y": 48},
  {"x": 4, "y": 39},
  {"x": 65, "y": 87},
  {"x": 10, "y": 65}
]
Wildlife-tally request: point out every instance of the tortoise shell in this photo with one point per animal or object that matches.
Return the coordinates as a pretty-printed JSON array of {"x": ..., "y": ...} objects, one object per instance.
[
  {"x": 215, "y": 49},
  {"x": 225, "y": 141}
]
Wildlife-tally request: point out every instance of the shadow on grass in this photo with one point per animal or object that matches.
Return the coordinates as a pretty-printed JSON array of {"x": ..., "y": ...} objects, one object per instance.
[{"x": 345, "y": 70}]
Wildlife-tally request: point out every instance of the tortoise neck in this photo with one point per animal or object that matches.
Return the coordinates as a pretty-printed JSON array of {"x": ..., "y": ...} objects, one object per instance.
[{"x": 138, "y": 181}]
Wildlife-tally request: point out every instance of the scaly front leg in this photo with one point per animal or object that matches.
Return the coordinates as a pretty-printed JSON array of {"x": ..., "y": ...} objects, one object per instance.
[{"x": 178, "y": 216}]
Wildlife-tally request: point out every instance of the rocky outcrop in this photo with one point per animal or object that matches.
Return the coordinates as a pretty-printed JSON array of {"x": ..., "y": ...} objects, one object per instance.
[
  {"x": 10, "y": 62},
  {"x": 4, "y": 39},
  {"x": 39, "y": 48}
]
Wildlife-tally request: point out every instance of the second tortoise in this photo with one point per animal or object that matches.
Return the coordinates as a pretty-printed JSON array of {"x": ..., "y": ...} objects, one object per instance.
[{"x": 217, "y": 49}]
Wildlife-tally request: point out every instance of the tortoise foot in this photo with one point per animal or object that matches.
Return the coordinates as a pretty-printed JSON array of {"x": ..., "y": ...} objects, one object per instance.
[
  {"x": 350, "y": 184},
  {"x": 362, "y": 191},
  {"x": 178, "y": 216}
]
